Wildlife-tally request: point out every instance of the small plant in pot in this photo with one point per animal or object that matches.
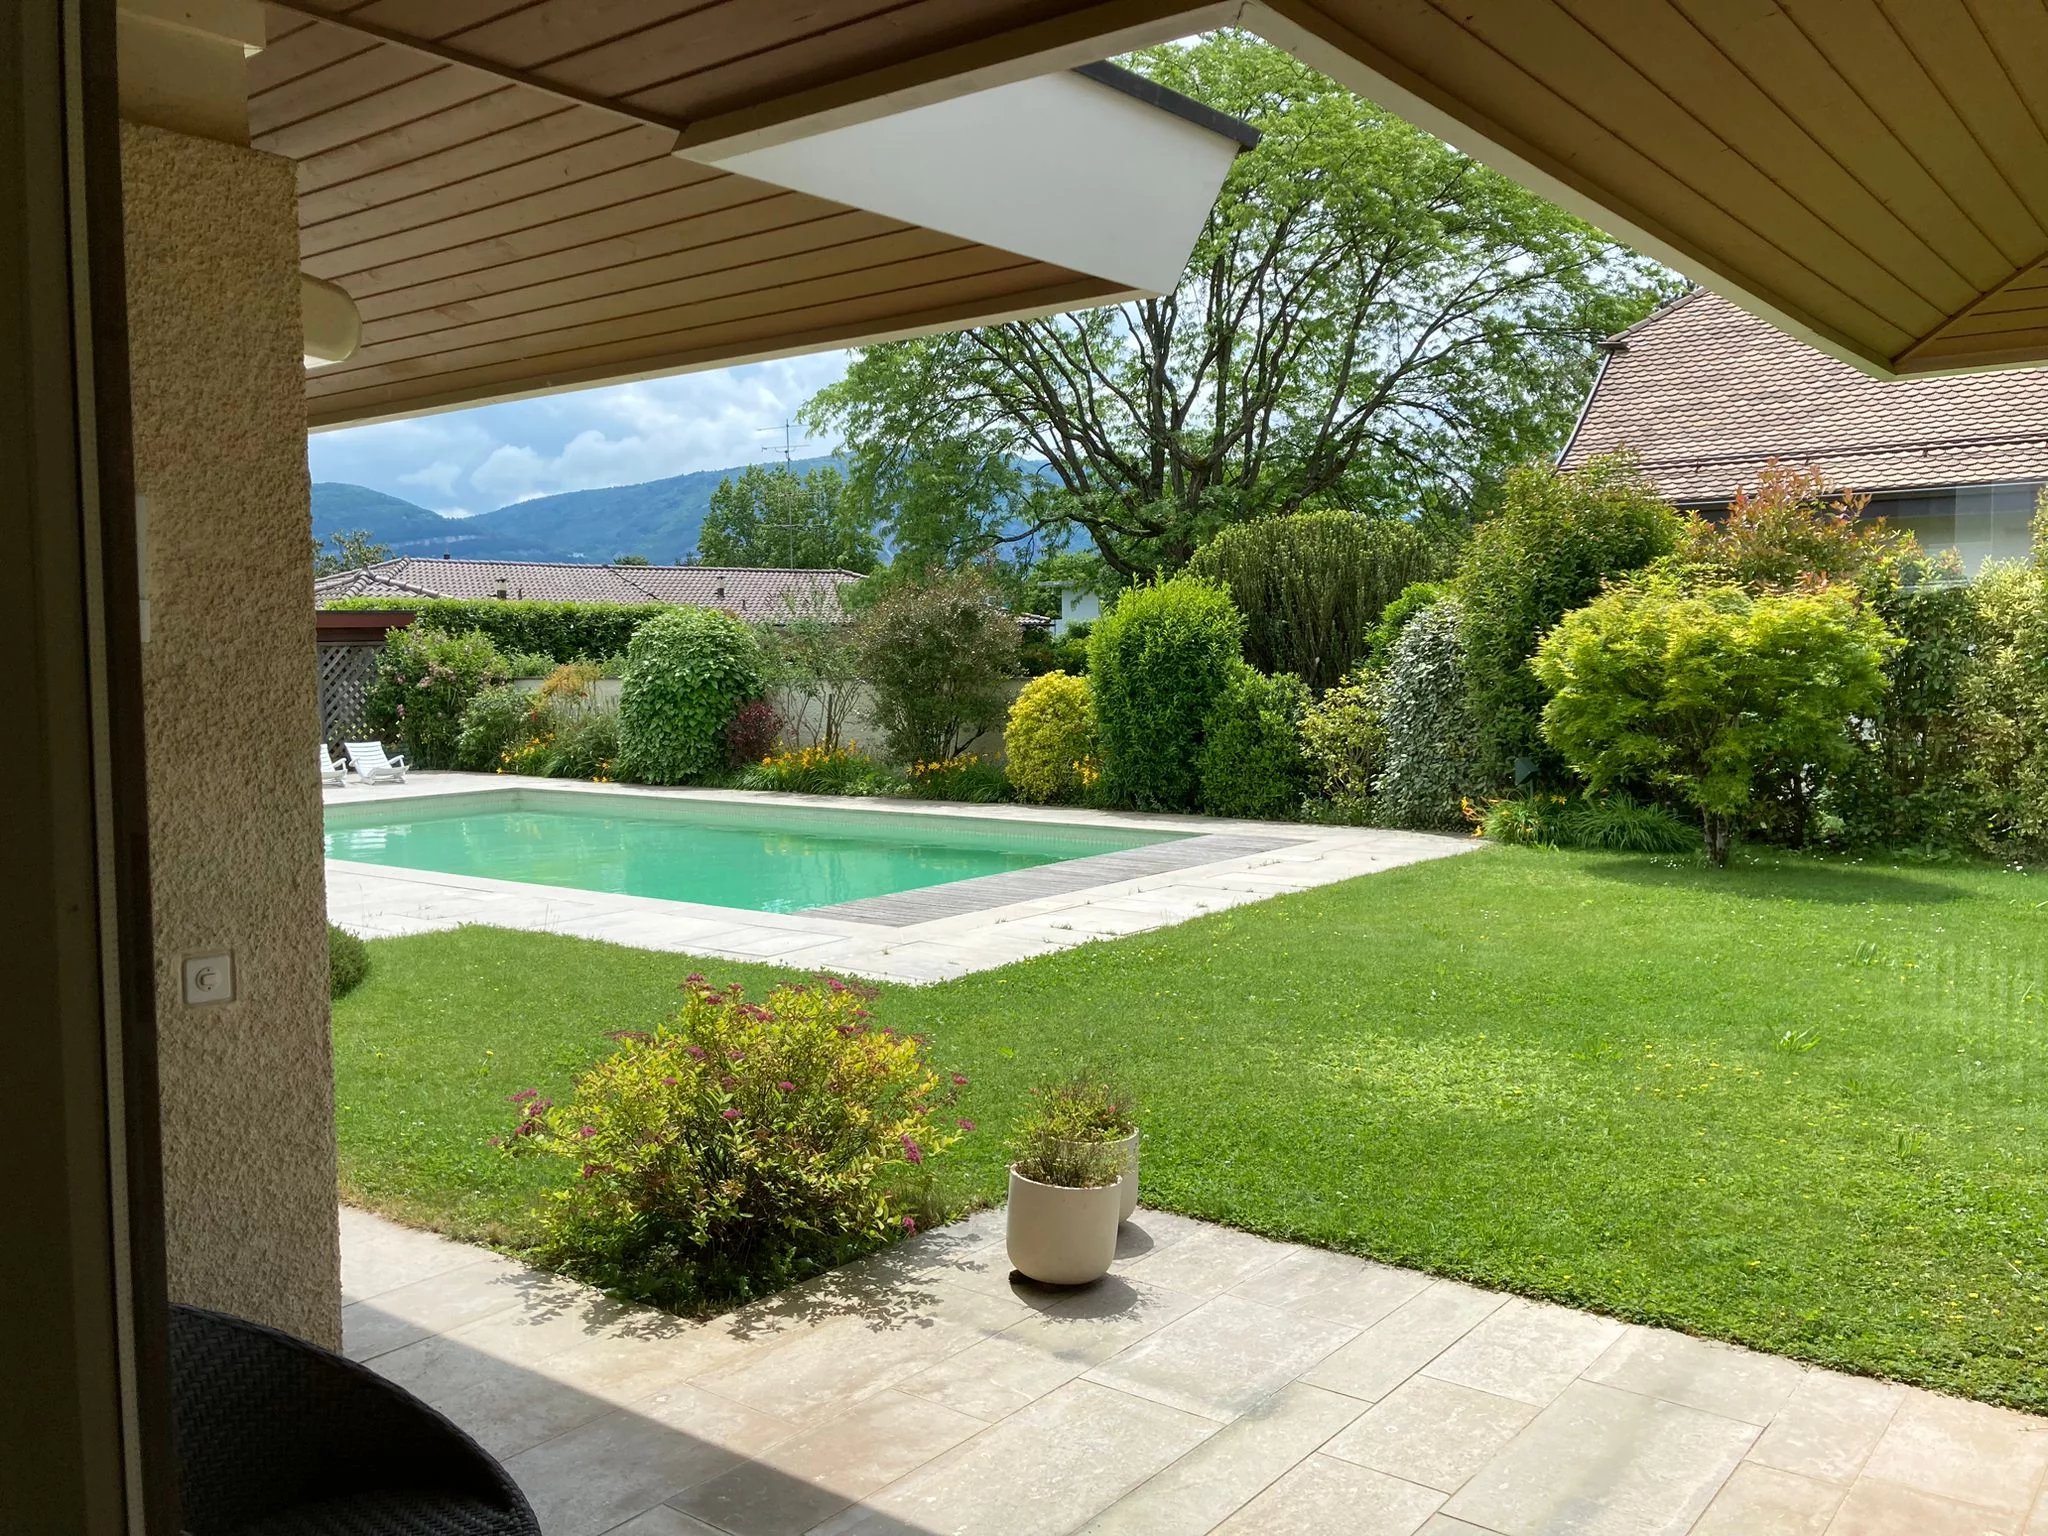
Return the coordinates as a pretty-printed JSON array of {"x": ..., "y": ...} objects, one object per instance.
[
  {"x": 1098, "y": 1111},
  {"x": 1064, "y": 1203}
]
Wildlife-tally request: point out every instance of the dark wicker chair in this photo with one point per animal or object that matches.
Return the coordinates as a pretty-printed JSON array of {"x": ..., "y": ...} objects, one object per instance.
[{"x": 277, "y": 1437}]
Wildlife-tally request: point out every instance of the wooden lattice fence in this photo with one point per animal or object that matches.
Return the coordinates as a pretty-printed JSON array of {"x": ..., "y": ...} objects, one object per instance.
[{"x": 346, "y": 672}]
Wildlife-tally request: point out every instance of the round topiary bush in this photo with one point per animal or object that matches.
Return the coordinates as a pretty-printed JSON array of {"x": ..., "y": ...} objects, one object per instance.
[
  {"x": 688, "y": 671},
  {"x": 1050, "y": 739},
  {"x": 1252, "y": 762},
  {"x": 1158, "y": 661},
  {"x": 348, "y": 961}
]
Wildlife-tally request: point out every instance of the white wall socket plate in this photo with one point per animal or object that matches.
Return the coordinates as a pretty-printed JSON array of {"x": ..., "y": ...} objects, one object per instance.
[{"x": 209, "y": 979}]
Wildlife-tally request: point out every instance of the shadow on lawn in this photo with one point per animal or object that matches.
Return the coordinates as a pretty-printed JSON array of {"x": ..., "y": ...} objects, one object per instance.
[{"x": 1785, "y": 878}]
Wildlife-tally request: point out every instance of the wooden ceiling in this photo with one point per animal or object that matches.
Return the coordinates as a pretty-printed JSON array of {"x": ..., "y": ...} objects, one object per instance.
[{"x": 494, "y": 182}]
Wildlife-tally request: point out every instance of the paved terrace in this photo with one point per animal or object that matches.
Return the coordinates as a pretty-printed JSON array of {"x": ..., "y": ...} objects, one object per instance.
[
  {"x": 1215, "y": 1382},
  {"x": 925, "y": 935}
]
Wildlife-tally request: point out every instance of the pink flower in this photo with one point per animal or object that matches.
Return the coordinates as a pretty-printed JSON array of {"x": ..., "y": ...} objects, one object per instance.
[
  {"x": 589, "y": 1169},
  {"x": 694, "y": 1052},
  {"x": 668, "y": 1082},
  {"x": 912, "y": 1152},
  {"x": 586, "y": 1132},
  {"x": 524, "y": 1094},
  {"x": 694, "y": 979},
  {"x": 966, "y": 1125},
  {"x": 910, "y": 1223},
  {"x": 785, "y": 1086},
  {"x": 731, "y": 1114},
  {"x": 960, "y": 1079}
]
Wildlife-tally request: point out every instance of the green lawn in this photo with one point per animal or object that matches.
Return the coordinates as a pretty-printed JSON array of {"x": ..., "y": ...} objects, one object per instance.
[{"x": 1567, "y": 1075}]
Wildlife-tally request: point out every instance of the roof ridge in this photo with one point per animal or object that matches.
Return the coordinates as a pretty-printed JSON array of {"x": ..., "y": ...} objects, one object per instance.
[{"x": 1662, "y": 312}]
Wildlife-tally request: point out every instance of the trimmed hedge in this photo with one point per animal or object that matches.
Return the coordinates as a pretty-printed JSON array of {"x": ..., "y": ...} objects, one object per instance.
[
  {"x": 688, "y": 671},
  {"x": 1158, "y": 661},
  {"x": 1252, "y": 762},
  {"x": 561, "y": 631}
]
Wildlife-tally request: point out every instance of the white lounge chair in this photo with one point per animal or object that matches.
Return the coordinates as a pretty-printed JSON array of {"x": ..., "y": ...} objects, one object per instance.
[
  {"x": 372, "y": 766},
  {"x": 333, "y": 770}
]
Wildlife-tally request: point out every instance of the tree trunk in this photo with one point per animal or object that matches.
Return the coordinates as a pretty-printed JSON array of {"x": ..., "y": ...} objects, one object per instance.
[{"x": 1717, "y": 833}]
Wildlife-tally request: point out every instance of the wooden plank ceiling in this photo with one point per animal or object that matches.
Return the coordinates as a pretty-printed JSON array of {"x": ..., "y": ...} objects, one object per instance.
[{"x": 494, "y": 182}]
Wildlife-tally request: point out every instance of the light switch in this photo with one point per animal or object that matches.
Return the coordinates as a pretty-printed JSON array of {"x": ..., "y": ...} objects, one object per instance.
[{"x": 209, "y": 979}]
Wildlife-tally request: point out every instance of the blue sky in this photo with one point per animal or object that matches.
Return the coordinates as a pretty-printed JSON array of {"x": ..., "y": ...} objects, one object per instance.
[{"x": 465, "y": 462}]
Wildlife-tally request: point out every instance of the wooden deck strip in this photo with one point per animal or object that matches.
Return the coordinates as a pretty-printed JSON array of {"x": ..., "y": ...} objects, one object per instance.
[{"x": 1069, "y": 875}]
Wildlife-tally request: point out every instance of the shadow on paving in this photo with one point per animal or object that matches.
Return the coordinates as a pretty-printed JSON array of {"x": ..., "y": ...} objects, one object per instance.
[{"x": 602, "y": 1413}]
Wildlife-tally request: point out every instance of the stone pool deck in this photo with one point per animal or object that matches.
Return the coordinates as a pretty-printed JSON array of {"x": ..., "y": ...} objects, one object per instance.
[
  {"x": 1214, "y": 1382},
  {"x": 921, "y": 936}
]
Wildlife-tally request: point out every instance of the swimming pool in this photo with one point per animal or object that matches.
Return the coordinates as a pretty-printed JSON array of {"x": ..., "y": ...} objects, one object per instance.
[{"x": 761, "y": 858}]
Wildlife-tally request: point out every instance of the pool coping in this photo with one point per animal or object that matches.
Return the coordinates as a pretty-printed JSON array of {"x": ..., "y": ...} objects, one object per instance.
[{"x": 929, "y": 934}]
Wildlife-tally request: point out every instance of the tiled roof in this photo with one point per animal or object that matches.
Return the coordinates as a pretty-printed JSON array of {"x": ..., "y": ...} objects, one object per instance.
[
  {"x": 750, "y": 594},
  {"x": 1705, "y": 392}
]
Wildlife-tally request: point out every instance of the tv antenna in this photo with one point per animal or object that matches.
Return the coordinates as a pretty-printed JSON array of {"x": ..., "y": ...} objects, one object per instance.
[{"x": 788, "y": 451}]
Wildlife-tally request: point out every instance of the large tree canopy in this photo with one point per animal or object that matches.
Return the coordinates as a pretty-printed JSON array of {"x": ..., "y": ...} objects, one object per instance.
[
  {"x": 1369, "y": 320},
  {"x": 769, "y": 515}
]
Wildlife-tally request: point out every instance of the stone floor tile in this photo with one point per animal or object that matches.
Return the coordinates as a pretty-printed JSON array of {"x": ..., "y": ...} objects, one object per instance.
[
  {"x": 1325, "y": 1495},
  {"x": 604, "y": 1472},
  {"x": 1829, "y": 1426},
  {"x": 1444, "y": 1525},
  {"x": 663, "y": 1521},
  {"x": 1209, "y": 1262},
  {"x": 1231, "y": 1467},
  {"x": 1600, "y": 1462},
  {"x": 1222, "y": 1358},
  {"x": 1762, "y": 1501},
  {"x": 1043, "y": 1472},
  {"x": 450, "y": 1299},
  {"x": 1735, "y": 1383},
  {"x": 1872, "y": 1508},
  {"x": 379, "y": 1255},
  {"x": 1970, "y": 1452},
  {"x": 1528, "y": 1350},
  {"x": 1432, "y": 1432},
  {"x": 1333, "y": 1285},
  {"x": 1406, "y": 1340},
  {"x": 627, "y": 1364},
  {"x": 820, "y": 1372},
  {"x": 806, "y": 1479}
]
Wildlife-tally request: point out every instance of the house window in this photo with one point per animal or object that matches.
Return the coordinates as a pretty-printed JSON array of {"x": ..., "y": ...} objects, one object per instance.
[{"x": 1978, "y": 522}]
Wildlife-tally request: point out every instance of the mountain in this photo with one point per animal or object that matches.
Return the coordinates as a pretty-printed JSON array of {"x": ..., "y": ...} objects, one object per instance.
[{"x": 658, "y": 518}]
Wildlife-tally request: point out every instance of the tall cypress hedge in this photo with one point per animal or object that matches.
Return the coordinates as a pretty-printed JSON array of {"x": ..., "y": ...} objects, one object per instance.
[
  {"x": 565, "y": 631},
  {"x": 1159, "y": 660}
]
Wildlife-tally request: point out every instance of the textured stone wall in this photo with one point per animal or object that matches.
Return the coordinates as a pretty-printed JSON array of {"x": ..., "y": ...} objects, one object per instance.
[{"x": 220, "y": 457}]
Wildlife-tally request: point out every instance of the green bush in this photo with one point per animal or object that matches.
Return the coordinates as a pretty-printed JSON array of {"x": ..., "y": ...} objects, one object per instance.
[
  {"x": 1312, "y": 586},
  {"x": 1617, "y": 823},
  {"x": 1379, "y": 648},
  {"x": 496, "y": 721},
  {"x": 1158, "y": 661},
  {"x": 1559, "y": 536},
  {"x": 1050, "y": 739},
  {"x": 2005, "y": 705},
  {"x": 585, "y": 744},
  {"x": 939, "y": 656},
  {"x": 425, "y": 680},
  {"x": 812, "y": 663},
  {"x": 1700, "y": 691},
  {"x": 1344, "y": 739},
  {"x": 739, "y": 1148},
  {"x": 1426, "y": 712},
  {"x": 348, "y": 962},
  {"x": 562, "y": 631},
  {"x": 688, "y": 671},
  {"x": 1252, "y": 762},
  {"x": 1070, "y": 651}
]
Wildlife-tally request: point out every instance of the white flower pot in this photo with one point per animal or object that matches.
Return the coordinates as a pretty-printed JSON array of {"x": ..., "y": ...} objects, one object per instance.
[
  {"x": 1062, "y": 1236},
  {"x": 1126, "y": 1154}
]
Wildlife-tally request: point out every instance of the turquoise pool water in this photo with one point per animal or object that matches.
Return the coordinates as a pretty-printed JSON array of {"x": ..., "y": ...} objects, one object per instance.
[{"x": 760, "y": 858}]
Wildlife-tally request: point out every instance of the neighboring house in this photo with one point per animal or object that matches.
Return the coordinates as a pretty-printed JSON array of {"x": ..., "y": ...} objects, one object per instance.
[
  {"x": 1079, "y": 604},
  {"x": 1705, "y": 393},
  {"x": 755, "y": 595}
]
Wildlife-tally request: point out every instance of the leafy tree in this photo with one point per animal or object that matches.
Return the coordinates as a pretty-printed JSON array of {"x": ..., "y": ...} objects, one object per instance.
[
  {"x": 1794, "y": 529},
  {"x": 1369, "y": 319},
  {"x": 938, "y": 656},
  {"x": 813, "y": 662},
  {"x": 1558, "y": 537},
  {"x": 1700, "y": 691},
  {"x": 632, "y": 560},
  {"x": 1312, "y": 586},
  {"x": 769, "y": 515},
  {"x": 353, "y": 549}
]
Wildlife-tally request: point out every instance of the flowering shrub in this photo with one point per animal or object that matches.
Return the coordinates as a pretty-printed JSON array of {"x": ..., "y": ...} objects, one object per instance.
[
  {"x": 1344, "y": 738},
  {"x": 967, "y": 776},
  {"x": 818, "y": 771},
  {"x": 1050, "y": 738},
  {"x": 425, "y": 680},
  {"x": 493, "y": 725},
  {"x": 742, "y": 1146}
]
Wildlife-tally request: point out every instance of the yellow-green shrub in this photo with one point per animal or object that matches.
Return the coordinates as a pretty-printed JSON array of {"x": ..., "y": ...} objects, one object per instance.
[
  {"x": 1050, "y": 738},
  {"x": 742, "y": 1146}
]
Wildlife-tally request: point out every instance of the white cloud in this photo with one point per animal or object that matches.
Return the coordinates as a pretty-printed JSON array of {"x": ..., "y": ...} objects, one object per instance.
[{"x": 469, "y": 461}]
